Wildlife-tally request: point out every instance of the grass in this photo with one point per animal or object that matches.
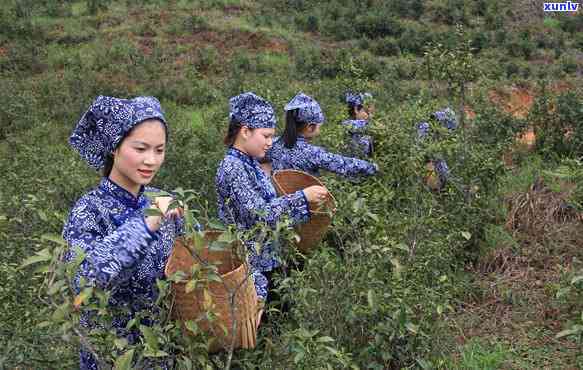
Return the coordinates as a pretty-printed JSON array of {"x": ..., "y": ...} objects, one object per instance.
[
  {"x": 511, "y": 317},
  {"x": 508, "y": 316},
  {"x": 477, "y": 355}
]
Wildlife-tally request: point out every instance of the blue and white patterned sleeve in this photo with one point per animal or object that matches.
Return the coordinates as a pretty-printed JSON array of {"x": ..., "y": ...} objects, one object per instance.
[
  {"x": 261, "y": 283},
  {"x": 356, "y": 126},
  {"x": 109, "y": 259},
  {"x": 180, "y": 226},
  {"x": 345, "y": 166},
  {"x": 251, "y": 206}
]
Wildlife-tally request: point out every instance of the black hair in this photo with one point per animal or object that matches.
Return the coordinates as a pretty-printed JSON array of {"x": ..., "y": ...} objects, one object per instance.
[
  {"x": 232, "y": 131},
  {"x": 108, "y": 163},
  {"x": 292, "y": 127},
  {"x": 353, "y": 108}
]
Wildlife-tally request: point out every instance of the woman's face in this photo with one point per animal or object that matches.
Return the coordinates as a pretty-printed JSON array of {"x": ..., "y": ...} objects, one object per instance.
[
  {"x": 256, "y": 142},
  {"x": 139, "y": 156},
  {"x": 311, "y": 131},
  {"x": 363, "y": 112}
]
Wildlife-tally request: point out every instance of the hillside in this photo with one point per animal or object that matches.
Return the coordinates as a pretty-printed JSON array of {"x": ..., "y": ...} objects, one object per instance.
[{"x": 481, "y": 275}]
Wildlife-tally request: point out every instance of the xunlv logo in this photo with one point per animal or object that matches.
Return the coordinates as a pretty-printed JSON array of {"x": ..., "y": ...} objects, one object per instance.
[{"x": 561, "y": 7}]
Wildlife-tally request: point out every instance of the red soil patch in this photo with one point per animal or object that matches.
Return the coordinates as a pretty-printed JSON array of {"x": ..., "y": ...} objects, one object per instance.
[
  {"x": 3, "y": 51},
  {"x": 277, "y": 45},
  {"x": 517, "y": 101}
]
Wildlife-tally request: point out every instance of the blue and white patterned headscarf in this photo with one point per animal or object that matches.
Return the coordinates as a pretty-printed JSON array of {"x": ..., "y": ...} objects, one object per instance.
[
  {"x": 447, "y": 118},
  {"x": 357, "y": 98},
  {"x": 252, "y": 111},
  {"x": 422, "y": 129},
  {"x": 309, "y": 110},
  {"x": 107, "y": 121}
]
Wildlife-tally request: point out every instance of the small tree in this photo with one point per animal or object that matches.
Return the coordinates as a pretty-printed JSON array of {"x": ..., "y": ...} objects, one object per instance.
[{"x": 455, "y": 65}]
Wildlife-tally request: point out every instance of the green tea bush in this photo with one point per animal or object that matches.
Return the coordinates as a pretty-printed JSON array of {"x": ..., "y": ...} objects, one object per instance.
[
  {"x": 570, "y": 289},
  {"x": 96, "y": 6},
  {"x": 374, "y": 25},
  {"x": 520, "y": 47},
  {"x": 500, "y": 36},
  {"x": 480, "y": 41},
  {"x": 491, "y": 67},
  {"x": 494, "y": 127},
  {"x": 370, "y": 65},
  {"x": 15, "y": 113},
  {"x": 410, "y": 9},
  {"x": 571, "y": 24},
  {"x": 308, "y": 22},
  {"x": 386, "y": 47},
  {"x": 414, "y": 39},
  {"x": 196, "y": 23},
  {"x": 404, "y": 68},
  {"x": 512, "y": 69},
  {"x": 194, "y": 139},
  {"x": 207, "y": 59},
  {"x": 242, "y": 62},
  {"x": 311, "y": 61},
  {"x": 24, "y": 8},
  {"x": 578, "y": 40},
  {"x": 569, "y": 64},
  {"x": 26, "y": 216},
  {"x": 386, "y": 278},
  {"x": 368, "y": 251},
  {"x": 190, "y": 89},
  {"x": 25, "y": 57},
  {"x": 451, "y": 12},
  {"x": 558, "y": 133}
]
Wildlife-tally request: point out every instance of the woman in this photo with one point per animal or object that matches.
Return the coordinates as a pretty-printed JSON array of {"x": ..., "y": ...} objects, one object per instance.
[
  {"x": 294, "y": 151},
  {"x": 360, "y": 110},
  {"x": 445, "y": 118},
  {"x": 125, "y": 251},
  {"x": 245, "y": 194}
]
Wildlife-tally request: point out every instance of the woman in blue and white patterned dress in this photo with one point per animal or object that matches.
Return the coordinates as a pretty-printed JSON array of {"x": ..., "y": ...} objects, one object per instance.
[
  {"x": 125, "y": 251},
  {"x": 360, "y": 110},
  {"x": 245, "y": 194},
  {"x": 447, "y": 119},
  {"x": 293, "y": 149}
]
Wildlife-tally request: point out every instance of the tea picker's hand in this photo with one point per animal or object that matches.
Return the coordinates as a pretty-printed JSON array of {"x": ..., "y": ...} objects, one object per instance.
[
  {"x": 161, "y": 204},
  {"x": 164, "y": 203},
  {"x": 316, "y": 194}
]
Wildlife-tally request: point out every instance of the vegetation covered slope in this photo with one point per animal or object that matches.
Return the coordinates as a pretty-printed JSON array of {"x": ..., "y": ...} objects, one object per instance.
[{"x": 407, "y": 277}]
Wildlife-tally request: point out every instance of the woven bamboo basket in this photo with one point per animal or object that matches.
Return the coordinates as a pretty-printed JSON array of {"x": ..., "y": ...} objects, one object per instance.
[
  {"x": 312, "y": 232},
  {"x": 191, "y": 306}
]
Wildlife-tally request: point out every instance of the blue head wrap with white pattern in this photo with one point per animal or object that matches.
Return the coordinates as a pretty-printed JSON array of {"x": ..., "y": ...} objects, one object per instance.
[
  {"x": 447, "y": 118},
  {"x": 423, "y": 129},
  {"x": 357, "y": 98},
  {"x": 107, "y": 121},
  {"x": 252, "y": 111},
  {"x": 309, "y": 110}
]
